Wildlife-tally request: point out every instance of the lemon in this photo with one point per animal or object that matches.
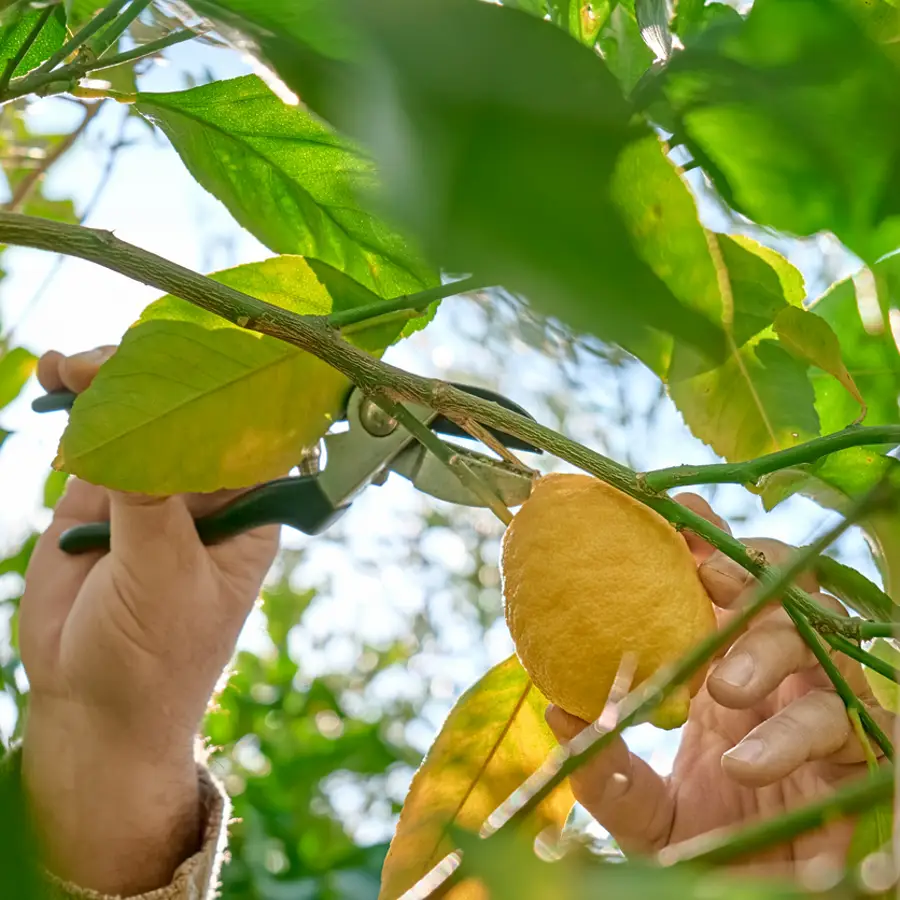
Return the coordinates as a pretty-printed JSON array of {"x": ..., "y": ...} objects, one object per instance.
[{"x": 589, "y": 574}]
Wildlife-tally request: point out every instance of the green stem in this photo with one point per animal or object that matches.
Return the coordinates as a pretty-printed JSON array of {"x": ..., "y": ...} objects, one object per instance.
[
  {"x": 752, "y": 470},
  {"x": 103, "y": 18},
  {"x": 869, "y": 630},
  {"x": 64, "y": 78},
  {"x": 408, "y": 302},
  {"x": 149, "y": 49},
  {"x": 103, "y": 42},
  {"x": 843, "y": 689},
  {"x": 853, "y": 798},
  {"x": 13, "y": 63},
  {"x": 854, "y": 589},
  {"x": 431, "y": 442},
  {"x": 848, "y": 648}
]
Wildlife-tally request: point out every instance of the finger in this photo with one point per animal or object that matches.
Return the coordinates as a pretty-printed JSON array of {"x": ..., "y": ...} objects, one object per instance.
[
  {"x": 699, "y": 547},
  {"x": 76, "y": 372},
  {"x": 726, "y": 581},
  {"x": 48, "y": 370},
  {"x": 757, "y": 663},
  {"x": 54, "y": 578},
  {"x": 153, "y": 542},
  {"x": 619, "y": 789},
  {"x": 811, "y": 728}
]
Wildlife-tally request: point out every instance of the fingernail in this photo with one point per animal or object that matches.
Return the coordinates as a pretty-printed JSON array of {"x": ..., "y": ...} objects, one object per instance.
[
  {"x": 98, "y": 354},
  {"x": 747, "y": 751},
  {"x": 617, "y": 786},
  {"x": 737, "y": 670}
]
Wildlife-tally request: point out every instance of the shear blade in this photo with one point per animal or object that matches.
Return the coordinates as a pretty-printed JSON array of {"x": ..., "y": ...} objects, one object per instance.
[{"x": 431, "y": 476}]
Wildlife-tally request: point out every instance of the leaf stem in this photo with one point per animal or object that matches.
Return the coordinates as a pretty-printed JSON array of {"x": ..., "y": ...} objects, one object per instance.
[
  {"x": 869, "y": 630},
  {"x": 408, "y": 302},
  {"x": 853, "y": 798},
  {"x": 848, "y": 648},
  {"x": 752, "y": 470},
  {"x": 104, "y": 41},
  {"x": 142, "y": 50},
  {"x": 431, "y": 442},
  {"x": 843, "y": 689},
  {"x": 13, "y": 62},
  {"x": 87, "y": 31}
]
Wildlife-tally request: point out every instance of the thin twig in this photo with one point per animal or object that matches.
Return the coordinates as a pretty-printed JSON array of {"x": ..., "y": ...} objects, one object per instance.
[
  {"x": 407, "y": 303},
  {"x": 431, "y": 442},
  {"x": 143, "y": 50},
  {"x": 752, "y": 470},
  {"x": 105, "y": 41},
  {"x": 843, "y": 689},
  {"x": 480, "y": 433},
  {"x": 29, "y": 182},
  {"x": 854, "y": 651},
  {"x": 90, "y": 28}
]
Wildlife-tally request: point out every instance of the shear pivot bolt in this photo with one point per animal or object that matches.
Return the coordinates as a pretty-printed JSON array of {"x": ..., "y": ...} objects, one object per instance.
[{"x": 375, "y": 420}]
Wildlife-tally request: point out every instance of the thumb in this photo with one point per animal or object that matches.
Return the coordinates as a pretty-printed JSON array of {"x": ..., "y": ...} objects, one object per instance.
[
  {"x": 619, "y": 790},
  {"x": 152, "y": 539}
]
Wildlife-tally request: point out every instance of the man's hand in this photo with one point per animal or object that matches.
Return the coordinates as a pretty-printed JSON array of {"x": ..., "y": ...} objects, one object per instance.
[
  {"x": 765, "y": 734},
  {"x": 123, "y": 651}
]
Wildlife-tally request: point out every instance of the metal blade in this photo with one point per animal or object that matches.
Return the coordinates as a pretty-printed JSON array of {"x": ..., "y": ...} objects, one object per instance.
[{"x": 511, "y": 484}]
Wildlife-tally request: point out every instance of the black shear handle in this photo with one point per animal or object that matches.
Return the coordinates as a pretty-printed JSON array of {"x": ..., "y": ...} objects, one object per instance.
[{"x": 299, "y": 502}]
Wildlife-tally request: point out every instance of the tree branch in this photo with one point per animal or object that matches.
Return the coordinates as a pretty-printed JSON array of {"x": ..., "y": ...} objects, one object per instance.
[
  {"x": 752, "y": 470},
  {"x": 318, "y": 337}
]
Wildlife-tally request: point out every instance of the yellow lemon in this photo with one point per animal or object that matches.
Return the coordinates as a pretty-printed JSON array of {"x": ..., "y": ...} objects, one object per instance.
[{"x": 590, "y": 574}]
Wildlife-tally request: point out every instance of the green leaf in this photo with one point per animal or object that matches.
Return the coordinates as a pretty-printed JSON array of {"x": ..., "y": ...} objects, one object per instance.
[
  {"x": 16, "y": 367},
  {"x": 854, "y": 589},
  {"x": 760, "y": 400},
  {"x": 534, "y": 7},
  {"x": 809, "y": 337},
  {"x": 190, "y": 402},
  {"x": 500, "y": 159},
  {"x": 48, "y": 41},
  {"x": 493, "y": 739},
  {"x": 796, "y": 110},
  {"x": 834, "y": 482},
  {"x": 287, "y": 178},
  {"x": 886, "y": 692},
  {"x": 4, "y": 434},
  {"x": 694, "y": 17},
  {"x": 54, "y": 487},
  {"x": 870, "y": 355},
  {"x": 624, "y": 51}
]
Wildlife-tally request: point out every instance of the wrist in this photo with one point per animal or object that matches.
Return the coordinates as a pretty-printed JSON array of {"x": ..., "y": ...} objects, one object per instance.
[{"x": 115, "y": 811}]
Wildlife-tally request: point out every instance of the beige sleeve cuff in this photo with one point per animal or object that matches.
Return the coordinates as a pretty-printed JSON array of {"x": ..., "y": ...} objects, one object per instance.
[{"x": 196, "y": 878}]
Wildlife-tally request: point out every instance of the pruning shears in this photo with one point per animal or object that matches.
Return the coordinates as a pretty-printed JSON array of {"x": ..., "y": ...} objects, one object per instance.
[{"x": 365, "y": 453}]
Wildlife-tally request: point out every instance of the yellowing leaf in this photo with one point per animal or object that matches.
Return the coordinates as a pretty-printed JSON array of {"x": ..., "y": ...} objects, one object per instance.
[
  {"x": 16, "y": 367},
  {"x": 809, "y": 337},
  {"x": 886, "y": 692},
  {"x": 190, "y": 402},
  {"x": 493, "y": 739}
]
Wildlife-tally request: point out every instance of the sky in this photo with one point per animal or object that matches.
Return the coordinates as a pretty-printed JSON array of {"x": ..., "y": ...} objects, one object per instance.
[{"x": 150, "y": 200}]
